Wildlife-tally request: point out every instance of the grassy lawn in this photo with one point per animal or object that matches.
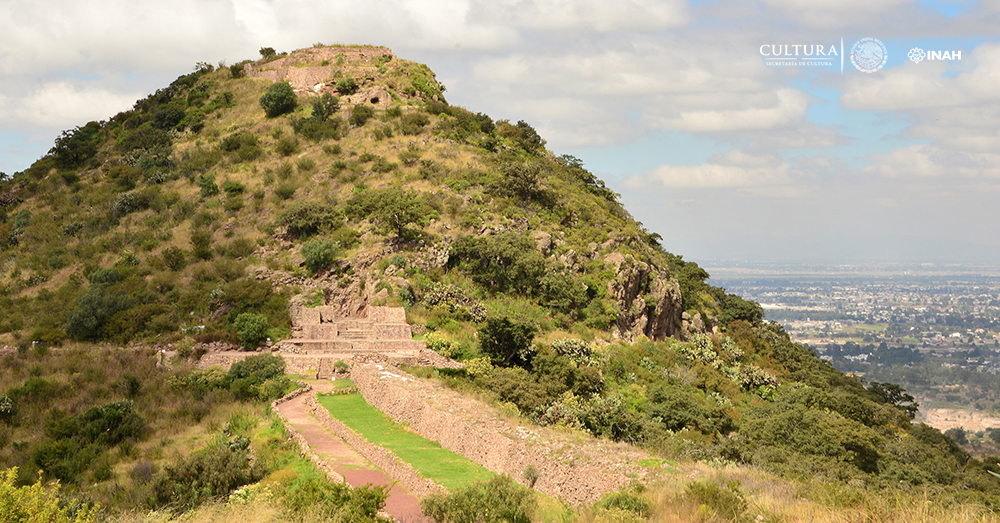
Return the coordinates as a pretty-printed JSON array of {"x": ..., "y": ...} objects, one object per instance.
[{"x": 428, "y": 457}]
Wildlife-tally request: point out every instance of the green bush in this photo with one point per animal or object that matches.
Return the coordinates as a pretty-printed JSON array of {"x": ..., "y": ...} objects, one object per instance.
[
  {"x": 336, "y": 501},
  {"x": 500, "y": 500},
  {"x": 285, "y": 191},
  {"x": 360, "y": 114},
  {"x": 287, "y": 145},
  {"x": 307, "y": 218},
  {"x": 205, "y": 475},
  {"x": 251, "y": 329},
  {"x": 174, "y": 258},
  {"x": 727, "y": 503},
  {"x": 94, "y": 308},
  {"x": 346, "y": 85},
  {"x": 38, "y": 503},
  {"x": 319, "y": 254},
  {"x": 626, "y": 500},
  {"x": 278, "y": 100},
  {"x": 508, "y": 342}
]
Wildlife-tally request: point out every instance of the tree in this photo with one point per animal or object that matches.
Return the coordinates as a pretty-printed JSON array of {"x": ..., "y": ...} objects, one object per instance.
[
  {"x": 73, "y": 148},
  {"x": 324, "y": 106},
  {"x": 278, "y": 100},
  {"x": 390, "y": 209},
  {"x": 507, "y": 341},
  {"x": 266, "y": 52},
  {"x": 251, "y": 329},
  {"x": 894, "y": 395}
]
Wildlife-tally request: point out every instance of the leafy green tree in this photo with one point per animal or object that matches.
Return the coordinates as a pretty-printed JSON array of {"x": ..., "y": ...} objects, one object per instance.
[
  {"x": 278, "y": 100},
  {"x": 251, "y": 329},
  {"x": 324, "y": 106},
  {"x": 507, "y": 341},
  {"x": 391, "y": 209},
  {"x": 93, "y": 309},
  {"x": 892, "y": 394},
  {"x": 73, "y": 148},
  {"x": 319, "y": 254},
  {"x": 267, "y": 52}
]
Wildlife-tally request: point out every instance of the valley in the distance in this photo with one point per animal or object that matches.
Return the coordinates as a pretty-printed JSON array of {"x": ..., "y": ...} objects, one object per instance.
[{"x": 934, "y": 329}]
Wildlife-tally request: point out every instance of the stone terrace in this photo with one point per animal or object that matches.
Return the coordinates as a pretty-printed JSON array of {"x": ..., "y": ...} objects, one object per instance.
[{"x": 321, "y": 336}]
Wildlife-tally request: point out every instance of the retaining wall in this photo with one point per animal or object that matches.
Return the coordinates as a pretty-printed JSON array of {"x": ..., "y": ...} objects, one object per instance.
[{"x": 577, "y": 472}]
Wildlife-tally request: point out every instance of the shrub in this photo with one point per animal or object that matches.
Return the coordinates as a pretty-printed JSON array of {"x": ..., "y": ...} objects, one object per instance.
[
  {"x": 174, "y": 258},
  {"x": 251, "y": 329},
  {"x": 336, "y": 501},
  {"x": 319, "y": 254},
  {"x": 278, "y": 100},
  {"x": 306, "y": 218},
  {"x": 627, "y": 501},
  {"x": 287, "y": 145},
  {"x": 207, "y": 474},
  {"x": 727, "y": 502},
  {"x": 414, "y": 122},
  {"x": 508, "y": 341},
  {"x": 346, "y": 85},
  {"x": 285, "y": 191},
  {"x": 360, "y": 114},
  {"x": 38, "y": 502},
  {"x": 208, "y": 186},
  {"x": 500, "y": 500},
  {"x": 111, "y": 423}
]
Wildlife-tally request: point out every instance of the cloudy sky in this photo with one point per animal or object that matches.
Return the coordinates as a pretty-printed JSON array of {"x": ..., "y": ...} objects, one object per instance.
[{"x": 673, "y": 103}]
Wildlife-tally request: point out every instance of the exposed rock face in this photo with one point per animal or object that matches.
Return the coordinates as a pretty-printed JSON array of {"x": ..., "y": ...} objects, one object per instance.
[{"x": 649, "y": 300}]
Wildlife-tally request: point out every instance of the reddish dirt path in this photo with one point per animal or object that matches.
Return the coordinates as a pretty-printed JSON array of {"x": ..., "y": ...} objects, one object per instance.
[{"x": 401, "y": 504}]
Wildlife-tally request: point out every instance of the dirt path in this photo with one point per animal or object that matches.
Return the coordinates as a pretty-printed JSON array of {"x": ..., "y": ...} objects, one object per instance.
[{"x": 401, "y": 504}]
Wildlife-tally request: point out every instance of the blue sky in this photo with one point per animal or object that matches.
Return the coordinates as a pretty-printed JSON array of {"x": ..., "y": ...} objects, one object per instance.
[{"x": 670, "y": 101}]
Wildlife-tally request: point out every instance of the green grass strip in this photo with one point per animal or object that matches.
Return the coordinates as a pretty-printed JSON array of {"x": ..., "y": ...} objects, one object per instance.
[{"x": 428, "y": 457}]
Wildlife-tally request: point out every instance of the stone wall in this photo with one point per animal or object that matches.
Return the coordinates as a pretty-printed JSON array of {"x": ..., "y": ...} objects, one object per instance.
[
  {"x": 384, "y": 458},
  {"x": 574, "y": 471}
]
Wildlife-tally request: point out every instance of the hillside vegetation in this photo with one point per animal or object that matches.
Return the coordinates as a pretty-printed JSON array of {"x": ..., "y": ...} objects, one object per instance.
[{"x": 197, "y": 216}]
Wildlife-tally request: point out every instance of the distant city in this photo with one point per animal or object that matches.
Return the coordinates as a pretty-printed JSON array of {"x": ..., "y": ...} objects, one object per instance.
[{"x": 885, "y": 320}]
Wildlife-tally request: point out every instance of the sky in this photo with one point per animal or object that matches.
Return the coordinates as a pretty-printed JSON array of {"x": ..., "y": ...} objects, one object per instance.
[{"x": 675, "y": 104}]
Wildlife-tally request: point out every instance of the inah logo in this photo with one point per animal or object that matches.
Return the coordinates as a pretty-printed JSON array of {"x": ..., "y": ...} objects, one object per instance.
[
  {"x": 868, "y": 55},
  {"x": 917, "y": 54}
]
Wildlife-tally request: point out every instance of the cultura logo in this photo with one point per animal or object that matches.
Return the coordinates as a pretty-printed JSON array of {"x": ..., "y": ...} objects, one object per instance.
[{"x": 917, "y": 54}]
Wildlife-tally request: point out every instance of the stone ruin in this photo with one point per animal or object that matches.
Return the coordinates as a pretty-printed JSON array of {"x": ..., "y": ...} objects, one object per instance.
[
  {"x": 323, "y": 335},
  {"x": 305, "y": 72}
]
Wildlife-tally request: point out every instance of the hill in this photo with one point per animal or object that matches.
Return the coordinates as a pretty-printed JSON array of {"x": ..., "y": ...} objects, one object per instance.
[{"x": 337, "y": 174}]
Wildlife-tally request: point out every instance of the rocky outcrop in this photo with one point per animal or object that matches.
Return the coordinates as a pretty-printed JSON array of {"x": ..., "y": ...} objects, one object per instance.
[{"x": 648, "y": 298}]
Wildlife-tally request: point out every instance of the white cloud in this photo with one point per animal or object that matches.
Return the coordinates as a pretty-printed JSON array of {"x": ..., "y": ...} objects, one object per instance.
[
  {"x": 62, "y": 105},
  {"x": 583, "y": 15},
  {"x": 928, "y": 161}
]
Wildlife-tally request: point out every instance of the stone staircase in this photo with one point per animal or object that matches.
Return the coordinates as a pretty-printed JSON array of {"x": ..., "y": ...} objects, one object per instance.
[{"x": 320, "y": 337}]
